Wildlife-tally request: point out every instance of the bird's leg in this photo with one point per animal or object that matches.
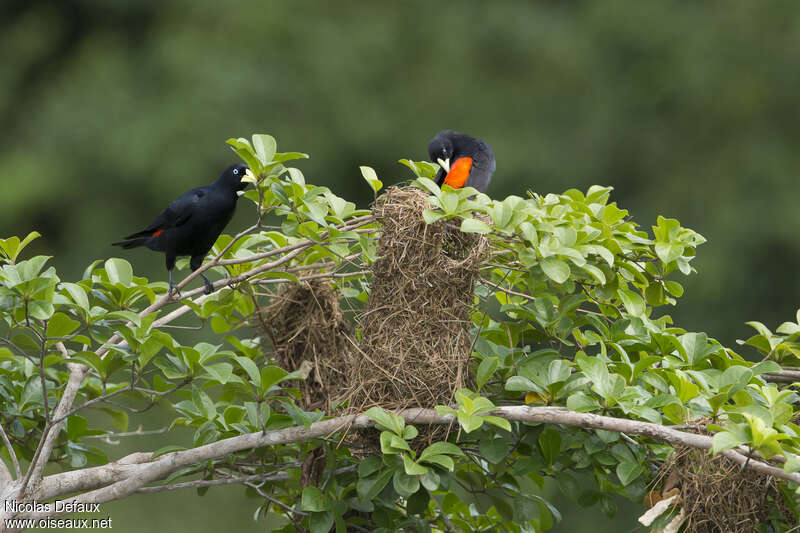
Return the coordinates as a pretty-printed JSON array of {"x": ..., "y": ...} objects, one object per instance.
[
  {"x": 196, "y": 262},
  {"x": 172, "y": 287},
  {"x": 209, "y": 286},
  {"x": 170, "y": 261}
]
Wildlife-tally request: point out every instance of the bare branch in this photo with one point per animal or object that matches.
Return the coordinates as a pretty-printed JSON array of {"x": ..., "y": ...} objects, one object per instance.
[
  {"x": 139, "y": 432},
  {"x": 11, "y": 452},
  {"x": 275, "y": 501},
  {"x": 50, "y": 433},
  {"x": 212, "y": 483},
  {"x": 782, "y": 376},
  {"x": 128, "y": 476}
]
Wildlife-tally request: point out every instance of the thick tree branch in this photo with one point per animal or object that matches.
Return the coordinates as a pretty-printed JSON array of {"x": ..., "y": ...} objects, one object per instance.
[
  {"x": 782, "y": 376},
  {"x": 131, "y": 474}
]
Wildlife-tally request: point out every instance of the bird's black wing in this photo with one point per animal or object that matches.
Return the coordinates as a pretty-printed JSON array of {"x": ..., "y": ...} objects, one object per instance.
[
  {"x": 440, "y": 175},
  {"x": 484, "y": 157},
  {"x": 176, "y": 214}
]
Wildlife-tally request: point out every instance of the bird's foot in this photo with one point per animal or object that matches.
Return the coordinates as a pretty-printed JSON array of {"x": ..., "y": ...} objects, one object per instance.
[
  {"x": 174, "y": 292},
  {"x": 209, "y": 286}
]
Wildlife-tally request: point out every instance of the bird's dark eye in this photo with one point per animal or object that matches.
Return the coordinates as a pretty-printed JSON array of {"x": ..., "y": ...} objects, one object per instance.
[{"x": 235, "y": 170}]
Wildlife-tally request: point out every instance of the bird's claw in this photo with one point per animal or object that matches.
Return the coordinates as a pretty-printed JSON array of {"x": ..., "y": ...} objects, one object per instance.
[
  {"x": 209, "y": 288},
  {"x": 174, "y": 292}
]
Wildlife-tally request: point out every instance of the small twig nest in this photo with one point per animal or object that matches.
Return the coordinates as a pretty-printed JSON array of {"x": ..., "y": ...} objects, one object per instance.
[
  {"x": 305, "y": 327},
  {"x": 717, "y": 496},
  {"x": 415, "y": 343}
]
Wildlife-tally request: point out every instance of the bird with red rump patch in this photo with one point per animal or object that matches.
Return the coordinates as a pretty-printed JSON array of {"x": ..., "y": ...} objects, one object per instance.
[{"x": 191, "y": 224}]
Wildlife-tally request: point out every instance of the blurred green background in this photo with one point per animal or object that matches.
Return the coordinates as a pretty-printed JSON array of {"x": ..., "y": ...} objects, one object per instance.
[{"x": 110, "y": 109}]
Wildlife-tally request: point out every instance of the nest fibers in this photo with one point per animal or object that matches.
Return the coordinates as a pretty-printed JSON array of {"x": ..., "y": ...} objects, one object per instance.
[
  {"x": 305, "y": 325},
  {"x": 717, "y": 496},
  {"x": 415, "y": 343}
]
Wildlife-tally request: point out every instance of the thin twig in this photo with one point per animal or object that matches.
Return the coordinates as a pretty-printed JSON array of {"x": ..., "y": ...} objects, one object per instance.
[{"x": 11, "y": 452}]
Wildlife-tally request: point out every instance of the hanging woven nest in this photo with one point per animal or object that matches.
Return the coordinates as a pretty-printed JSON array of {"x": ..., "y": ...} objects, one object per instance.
[
  {"x": 305, "y": 330},
  {"x": 415, "y": 341}
]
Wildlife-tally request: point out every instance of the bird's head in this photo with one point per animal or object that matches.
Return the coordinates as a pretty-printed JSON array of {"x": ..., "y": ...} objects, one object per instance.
[
  {"x": 441, "y": 149},
  {"x": 233, "y": 176}
]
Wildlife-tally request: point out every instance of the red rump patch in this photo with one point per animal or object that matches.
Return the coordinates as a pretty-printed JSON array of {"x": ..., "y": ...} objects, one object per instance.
[
  {"x": 459, "y": 172},
  {"x": 158, "y": 232}
]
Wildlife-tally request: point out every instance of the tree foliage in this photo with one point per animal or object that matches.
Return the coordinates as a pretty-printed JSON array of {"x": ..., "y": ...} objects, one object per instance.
[{"x": 570, "y": 312}]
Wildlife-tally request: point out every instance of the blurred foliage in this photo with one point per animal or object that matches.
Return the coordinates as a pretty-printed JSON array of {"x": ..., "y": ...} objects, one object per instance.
[{"x": 687, "y": 109}]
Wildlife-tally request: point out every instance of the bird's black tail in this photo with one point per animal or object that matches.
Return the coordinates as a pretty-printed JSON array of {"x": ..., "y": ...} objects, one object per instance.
[
  {"x": 131, "y": 243},
  {"x": 136, "y": 239}
]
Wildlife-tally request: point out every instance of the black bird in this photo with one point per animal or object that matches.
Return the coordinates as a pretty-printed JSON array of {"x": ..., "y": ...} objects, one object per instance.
[
  {"x": 464, "y": 161},
  {"x": 192, "y": 223}
]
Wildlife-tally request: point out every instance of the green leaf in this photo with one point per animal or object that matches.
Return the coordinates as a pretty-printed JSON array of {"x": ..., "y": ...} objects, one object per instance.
[
  {"x": 404, "y": 484},
  {"x": 391, "y": 444},
  {"x": 473, "y": 225},
  {"x": 60, "y": 325},
  {"x": 418, "y": 502},
  {"x": 12, "y": 246},
  {"x": 550, "y": 444},
  {"x": 119, "y": 271},
  {"x": 502, "y": 423},
  {"x": 314, "y": 500},
  {"x": 696, "y": 346},
  {"x": 77, "y": 294},
  {"x": 371, "y": 178},
  {"x": 243, "y": 149},
  {"x": 368, "y": 488},
  {"x": 522, "y": 384},
  {"x": 270, "y": 376},
  {"x": 321, "y": 522},
  {"x": 369, "y": 466},
  {"x": 413, "y": 468},
  {"x": 440, "y": 448},
  {"x": 674, "y": 288},
  {"x": 265, "y": 147},
  {"x": 633, "y": 302},
  {"x": 555, "y": 269},
  {"x": 494, "y": 450},
  {"x": 387, "y": 420},
  {"x": 220, "y": 372},
  {"x": 669, "y": 252},
  {"x": 582, "y": 402},
  {"x": 429, "y": 185},
  {"x": 250, "y": 367},
  {"x": 430, "y": 216},
  {"x": 485, "y": 370},
  {"x": 421, "y": 169},
  {"x": 628, "y": 471},
  {"x": 725, "y": 440},
  {"x": 792, "y": 464},
  {"x": 288, "y": 156},
  {"x": 40, "y": 310},
  {"x": 595, "y": 272},
  {"x": 469, "y": 422}
]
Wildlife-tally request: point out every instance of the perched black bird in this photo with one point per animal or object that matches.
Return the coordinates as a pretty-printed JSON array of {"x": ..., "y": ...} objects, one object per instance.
[
  {"x": 192, "y": 223},
  {"x": 465, "y": 161}
]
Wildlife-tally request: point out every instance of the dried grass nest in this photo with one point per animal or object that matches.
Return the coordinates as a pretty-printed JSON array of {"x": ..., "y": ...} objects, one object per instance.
[
  {"x": 415, "y": 342},
  {"x": 718, "y": 496},
  {"x": 306, "y": 330}
]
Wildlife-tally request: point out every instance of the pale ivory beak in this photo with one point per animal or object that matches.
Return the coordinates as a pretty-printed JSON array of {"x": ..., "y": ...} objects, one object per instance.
[{"x": 445, "y": 164}]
